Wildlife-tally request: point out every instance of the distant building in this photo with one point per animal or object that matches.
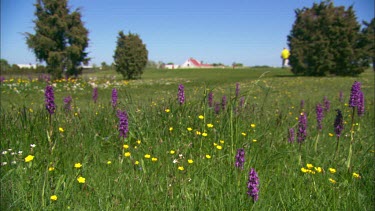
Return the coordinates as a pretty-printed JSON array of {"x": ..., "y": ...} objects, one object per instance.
[
  {"x": 192, "y": 63},
  {"x": 28, "y": 66},
  {"x": 171, "y": 66}
]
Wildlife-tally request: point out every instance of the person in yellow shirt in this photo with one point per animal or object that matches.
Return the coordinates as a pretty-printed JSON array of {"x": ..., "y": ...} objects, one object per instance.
[{"x": 285, "y": 57}]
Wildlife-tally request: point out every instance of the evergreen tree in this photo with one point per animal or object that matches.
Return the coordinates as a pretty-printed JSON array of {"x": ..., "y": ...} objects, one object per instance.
[
  {"x": 369, "y": 40},
  {"x": 60, "y": 38},
  {"x": 326, "y": 40},
  {"x": 130, "y": 56}
]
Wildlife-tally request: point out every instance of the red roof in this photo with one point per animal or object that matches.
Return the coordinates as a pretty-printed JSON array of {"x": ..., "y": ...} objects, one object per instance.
[{"x": 198, "y": 64}]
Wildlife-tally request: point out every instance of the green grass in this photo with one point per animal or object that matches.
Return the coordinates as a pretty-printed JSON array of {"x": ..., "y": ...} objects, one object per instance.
[{"x": 90, "y": 136}]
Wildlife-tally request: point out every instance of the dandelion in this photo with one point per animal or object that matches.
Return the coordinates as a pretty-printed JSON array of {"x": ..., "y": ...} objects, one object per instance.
[
  {"x": 302, "y": 126},
  {"x": 190, "y": 161},
  {"x": 67, "y": 103},
  {"x": 114, "y": 97},
  {"x": 181, "y": 168},
  {"x": 291, "y": 135},
  {"x": 77, "y": 165},
  {"x": 29, "y": 158},
  {"x": 181, "y": 94},
  {"x": 53, "y": 197},
  {"x": 127, "y": 154},
  {"x": 95, "y": 94},
  {"x": 253, "y": 185},
  {"x": 240, "y": 158},
  {"x": 319, "y": 115},
  {"x": 81, "y": 180},
  {"x": 50, "y": 100},
  {"x": 208, "y": 156},
  {"x": 210, "y": 99},
  {"x": 123, "y": 123},
  {"x": 147, "y": 156},
  {"x": 332, "y": 170}
]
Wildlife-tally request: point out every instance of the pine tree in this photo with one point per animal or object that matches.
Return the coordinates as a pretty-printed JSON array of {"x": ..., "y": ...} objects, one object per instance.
[
  {"x": 369, "y": 41},
  {"x": 60, "y": 38},
  {"x": 325, "y": 40},
  {"x": 130, "y": 56}
]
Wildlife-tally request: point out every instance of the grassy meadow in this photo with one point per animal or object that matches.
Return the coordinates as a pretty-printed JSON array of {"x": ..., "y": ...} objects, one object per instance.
[{"x": 182, "y": 156}]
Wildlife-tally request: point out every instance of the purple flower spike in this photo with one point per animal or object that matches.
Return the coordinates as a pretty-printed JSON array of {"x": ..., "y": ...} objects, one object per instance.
[
  {"x": 123, "y": 123},
  {"x": 210, "y": 99},
  {"x": 224, "y": 102},
  {"x": 240, "y": 158},
  {"x": 95, "y": 94},
  {"x": 237, "y": 89},
  {"x": 361, "y": 104},
  {"x": 339, "y": 123},
  {"x": 302, "y": 127},
  {"x": 354, "y": 94},
  {"x": 253, "y": 185},
  {"x": 114, "y": 97},
  {"x": 319, "y": 115},
  {"x": 50, "y": 100},
  {"x": 327, "y": 104},
  {"x": 67, "y": 103},
  {"x": 181, "y": 94},
  {"x": 291, "y": 135}
]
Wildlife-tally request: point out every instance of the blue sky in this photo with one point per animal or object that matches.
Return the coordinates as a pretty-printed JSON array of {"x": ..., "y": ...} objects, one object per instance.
[{"x": 252, "y": 32}]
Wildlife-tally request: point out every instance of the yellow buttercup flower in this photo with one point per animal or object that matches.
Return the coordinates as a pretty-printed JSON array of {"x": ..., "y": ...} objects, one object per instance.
[
  {"x": 330, "y": 134},
  {"x": 138, "y": 141},
  {"x": 53, "y": 197},
  {"x": 304, "y": 170},
  {"x": 147, "y": 156},
  {"x": 125, "y": 146},
  {"x": 167, "y": 110},
  {"x": 309, "y": 166},
  {"x": 318, "y": 169},
  {"x": 81, "y": 180},
  {"x": 244, "y": 134},
  {"x": 208, "y": 156},
  {"x": 127, "y": 154},
  {"x": 189, "y": 129},
  {"x": 201, "y": 117},
  {"x": 332, "y": 170},
  {"x": 29, "y": 158},
  {"x": 171, "y": 152},
  {"x": 171, "y": 128},
  {"x": 252, "y": 125},
  {"x": 204, "y": 134},
  {"x": 136, "y": 162},
  {"x": 77, "y": 165},
  {"x": 219, "y": 147},
  {"x": 61, "y": 129},
  {"x": 254, "y": 140},
  {"x": 109, "y": 162},
  {"x": 210, "y": 125},
  {"x": 51, "y": 168},
  {"x": 154, "y": 159},
  {"x": 355, "y": 175},
  {"x": 181, "y": 168},
  {"x": 221, "y": 141},
  {"x": 190, "y": 161},
  {"x": 332, "y": 180}
]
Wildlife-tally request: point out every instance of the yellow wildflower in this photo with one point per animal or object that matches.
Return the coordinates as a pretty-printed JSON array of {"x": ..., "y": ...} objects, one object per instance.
[
  {"x": 77, "y": 165},
  {"x": 127, "y": 154},
  {"x": 167, "y": 110},
  {"x": 355, "y": 175},
  {"x": 109, "y": 162},
  {"x": 330, "y": 134},
  {"x": 125, "y": 146},
  {"x": 181, "y": 168},
  {"x": 221, "y": 141},
  {"x": 252, "y": 125},
  {"x": 81, "y": 179},
  {"x": 318, "y": 169},
  {"x": 201, "y": 117},
  {"x": 138, "y": 141},
  {"x": 136, "y": 162},
  {"x": 208, "y": 156},
  {"x": 204, "y": 134},
  {"x": 332, "y": 170},
  {"x": 51, "y": 168},
  {"x": 154, "y": 159},
  {"x": 219, "y": 147},
  {"x": 304, "y": 170},
  {"x": 147, "y": 156},
  {"x": 244, "y": 134},
  {"x": 61, "y": 129},
  {"x": 53, "y": 197},
  {"x": 210, "y": 125},
  {"x": 254, "y": 140},
  {"x": 29, "y": 158},
  {"x": 171, "y": 152},
  {"x": 332, "y": 180},
  {"x": 189, "y": 129},
  {"x": 190, "y": 161},
  {"x": 309, "y": 166}
]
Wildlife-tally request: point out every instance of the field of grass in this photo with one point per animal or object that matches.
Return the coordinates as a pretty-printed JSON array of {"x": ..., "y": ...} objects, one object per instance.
[{"x": 182, "y": 156}]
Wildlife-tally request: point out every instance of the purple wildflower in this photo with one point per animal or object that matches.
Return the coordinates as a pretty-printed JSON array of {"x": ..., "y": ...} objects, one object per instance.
[
  {"x": 339, "y": 123},
  {"x": 237, "y": 89},
  {"x": 50, "y": 99},
  {"x": 354, "y": 94},
  {"x": 67, "y": 103},
  {"x": 327, "y": 104},
  {"x": 302, "y": 126},
  {"x": 181, "y": 94},
  {"x": 319, "y": 115},
  {"x": 291, "y": 135},
  {"x": 341, "y": 97},
  {"x": 123, "y": 123},
  {"x": 210, "y": 99},
  {"x": 217, "y": 108},
  {"x": 240, "y": 158},
  {"x": 361, "y": 104},
  {"x": 253, "y": 185},
  {"x": 2, "y": 79},
  {"x": 224, "y": 102},
  {"x": 95, "y": 94},
  {"x": 114, "y": 97}
]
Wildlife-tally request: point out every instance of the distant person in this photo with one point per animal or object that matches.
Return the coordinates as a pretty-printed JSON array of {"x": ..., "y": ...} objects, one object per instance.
[{"x": 285, "y": 57}]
